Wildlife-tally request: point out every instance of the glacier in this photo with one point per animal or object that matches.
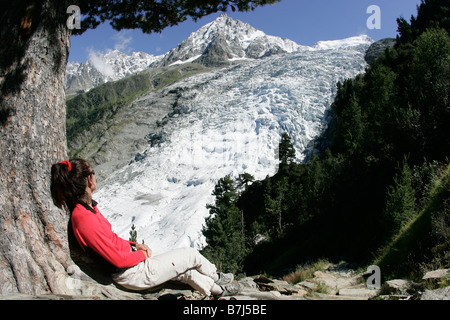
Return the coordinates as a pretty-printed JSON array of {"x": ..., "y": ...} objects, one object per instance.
[{"x": 229, "y": 121}]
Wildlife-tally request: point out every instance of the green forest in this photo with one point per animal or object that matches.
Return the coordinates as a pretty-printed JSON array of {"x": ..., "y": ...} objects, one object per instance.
[{"x": 377, "y": 187}]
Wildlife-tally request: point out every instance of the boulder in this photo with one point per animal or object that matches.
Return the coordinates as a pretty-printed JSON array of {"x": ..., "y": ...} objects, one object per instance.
[
  {"x": 397, "y": 285},
  {"x": 280, "y": 286},
  {"x": 437, "y": 274},
  {"x": 359, "y": 291},
  {"x": 334, "y": 281},
  {"x": 248, "y": 283},
  {"x": 400, "y": 288},
  {"x": 438, "y": 294},
  {"x": 309, "y": 285}
]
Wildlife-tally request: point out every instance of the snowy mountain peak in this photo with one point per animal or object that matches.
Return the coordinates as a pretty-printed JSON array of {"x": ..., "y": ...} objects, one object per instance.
[
  {"x": 215, "y": 44},
  {"x": 230, "y": 27},
  {"x": 363, "y": 40},
  {"x": 101, "y": 68},
  {"x": 236, "y": 40}
]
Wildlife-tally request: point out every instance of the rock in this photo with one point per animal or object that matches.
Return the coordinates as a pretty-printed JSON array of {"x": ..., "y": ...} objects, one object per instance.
[
  {"x": 275, "y": 293},
  {"x": 279, "y": 286},
  {"x": 437, "y": 274},
  {"x": 340, "y": 285},
  {"x": 377, "y": 48},
  {"x": 139, "y": 156},
  {"x": 217, "y": 53},
  {"x": 438, "y": 294},
  {"x": 397, "y": 284},
  {"x": 262, "y": 279},
  {"x": 334, "y": 282},
  {"x": 301, "y": 292},
  {"x": 343, "y": 269},
  {"x": 437, "y": 279},
  {"x": 259, "y": 238},
  {"x": 173, "y": 294},
  {"x": 248, "y": 283},
  {"x": 400, "y": 287},
  {"x": 312, "y": 286},
  {"x": 265, "y": 295},
  {"x": 359, "y": 291}
]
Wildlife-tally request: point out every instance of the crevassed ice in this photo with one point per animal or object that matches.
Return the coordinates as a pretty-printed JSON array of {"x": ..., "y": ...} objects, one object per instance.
[{"x": 232, "y": 122}]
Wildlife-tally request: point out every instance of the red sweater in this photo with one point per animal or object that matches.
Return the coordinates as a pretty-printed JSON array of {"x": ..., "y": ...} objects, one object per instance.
[{"x": 92, "y": 230}]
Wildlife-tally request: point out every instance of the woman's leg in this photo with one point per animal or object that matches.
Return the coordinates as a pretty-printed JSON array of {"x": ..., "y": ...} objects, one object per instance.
[
  {"x": 185, "y": 264},
  {"x": 199, "y": 282}
]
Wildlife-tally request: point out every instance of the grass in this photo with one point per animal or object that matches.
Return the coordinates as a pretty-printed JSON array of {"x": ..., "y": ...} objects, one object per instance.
[{"x": 306, "y": 271}]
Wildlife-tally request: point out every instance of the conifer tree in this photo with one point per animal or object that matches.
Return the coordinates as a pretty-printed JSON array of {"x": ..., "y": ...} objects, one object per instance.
[
  {"x": 224, "y": 229},
  {"x": 286, "y": 152},
  {"x": 401, "y": 198},
  {"x": 244, "y": 179},
  {"x": 275, "y": 207},
  {"x": 353, "y": 133},
  {"x": 133, "y": 233}
]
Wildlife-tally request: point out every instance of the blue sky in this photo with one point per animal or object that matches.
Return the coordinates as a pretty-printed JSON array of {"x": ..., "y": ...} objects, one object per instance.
[{"x": 304, "y": 22}]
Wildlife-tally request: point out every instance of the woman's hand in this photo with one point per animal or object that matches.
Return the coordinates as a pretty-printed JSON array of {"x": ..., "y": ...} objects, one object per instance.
[{"x": 144, "y": 248}]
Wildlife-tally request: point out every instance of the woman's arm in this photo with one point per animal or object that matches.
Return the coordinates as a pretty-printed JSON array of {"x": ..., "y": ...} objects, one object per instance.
[{"x": 144, "y": 248}]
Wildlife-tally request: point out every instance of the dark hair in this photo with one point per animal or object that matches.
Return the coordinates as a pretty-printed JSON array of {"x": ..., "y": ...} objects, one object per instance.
[{"x": 68, "y": 186}]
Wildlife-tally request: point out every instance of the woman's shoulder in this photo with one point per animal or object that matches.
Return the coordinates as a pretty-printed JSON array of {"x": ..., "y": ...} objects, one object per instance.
[{"x": 80, "y": 213}]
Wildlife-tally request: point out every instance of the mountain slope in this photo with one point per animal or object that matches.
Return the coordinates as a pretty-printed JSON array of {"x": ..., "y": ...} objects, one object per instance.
[
  {"x": 226, "y": 121},
  {"x": 109, "y": 124},
  {"x": 99, "y": 69}
]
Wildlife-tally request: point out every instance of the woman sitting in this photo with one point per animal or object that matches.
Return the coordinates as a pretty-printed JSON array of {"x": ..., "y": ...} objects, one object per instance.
[{"x": 72, "y": 184}]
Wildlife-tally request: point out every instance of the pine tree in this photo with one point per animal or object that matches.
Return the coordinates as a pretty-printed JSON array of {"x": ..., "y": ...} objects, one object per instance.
[
  {"x": 133, "y": 233},
  {"x": 224, "y": 228},
  {"x": 286, "y": 152},
  {"x": 430, "y": 90},
  {"x": 243, "y": 180},
  {"x": 401, "y": 198},
  {"x": 353, "y": 133},
  {"x": 275, "y": 207}
]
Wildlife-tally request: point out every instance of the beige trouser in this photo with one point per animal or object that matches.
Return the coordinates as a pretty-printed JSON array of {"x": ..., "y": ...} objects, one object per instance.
[{"x": 186, "y": 265}]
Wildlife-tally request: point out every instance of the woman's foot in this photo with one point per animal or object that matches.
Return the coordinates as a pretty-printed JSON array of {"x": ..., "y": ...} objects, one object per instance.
[
  {"x": 230, "y": 289},
  {"x": 224, "y": 278}
]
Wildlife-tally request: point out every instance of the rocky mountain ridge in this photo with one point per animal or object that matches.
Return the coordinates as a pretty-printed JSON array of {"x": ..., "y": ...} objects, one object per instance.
[
  {"x": 227, "y": 39},
  {"x": 102, "y": 68},
  {"x": 216, "y": 44},
  {"x": 219, "y": 43}
]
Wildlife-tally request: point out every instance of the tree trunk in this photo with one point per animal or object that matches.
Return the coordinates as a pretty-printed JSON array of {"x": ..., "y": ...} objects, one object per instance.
[{"x": 34, "y": 48}]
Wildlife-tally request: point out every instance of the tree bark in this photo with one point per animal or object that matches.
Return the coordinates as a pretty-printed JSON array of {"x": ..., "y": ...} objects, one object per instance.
[{"x": 34, "y": 48}]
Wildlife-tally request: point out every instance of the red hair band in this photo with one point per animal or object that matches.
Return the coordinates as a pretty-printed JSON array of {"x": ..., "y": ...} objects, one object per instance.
[{"x": 67, "y": 163}]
